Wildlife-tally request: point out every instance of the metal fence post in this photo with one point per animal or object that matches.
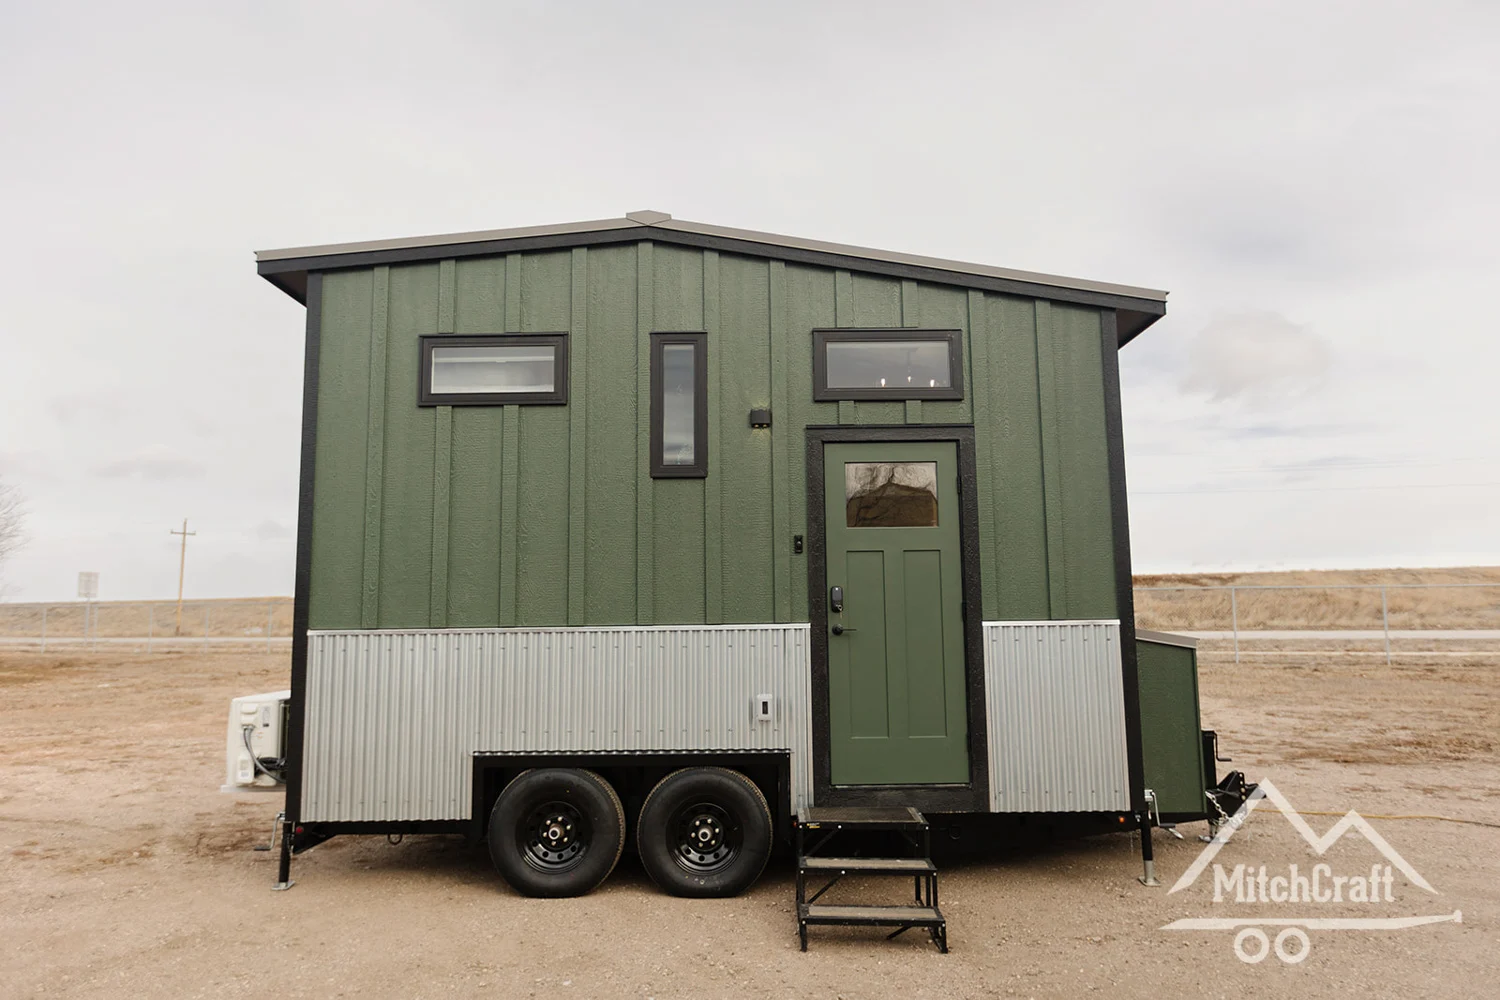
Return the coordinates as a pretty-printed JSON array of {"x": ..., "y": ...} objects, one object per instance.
[
  {"x": 150, "y": 625},
  {"x": 1385, "y": 621},
  {"x": 270, "y": 614},
  {"x": 1234, "y": 621},
  {"x": 207, "y": 609},
  {"x": 44, "y": 628}
]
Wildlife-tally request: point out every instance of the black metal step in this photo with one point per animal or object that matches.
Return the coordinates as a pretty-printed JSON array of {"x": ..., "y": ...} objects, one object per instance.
[
  {"x": 863, "y": 817},
  {"x": 892, "y": 866},
  {"x": 870, "y": 916}
]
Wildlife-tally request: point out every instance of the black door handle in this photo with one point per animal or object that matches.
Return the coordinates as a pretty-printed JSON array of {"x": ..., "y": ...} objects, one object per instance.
[{"x": 840, "y": 630}]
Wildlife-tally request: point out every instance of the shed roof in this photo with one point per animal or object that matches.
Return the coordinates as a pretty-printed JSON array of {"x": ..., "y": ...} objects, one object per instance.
[{"x": 288, "y": 268}]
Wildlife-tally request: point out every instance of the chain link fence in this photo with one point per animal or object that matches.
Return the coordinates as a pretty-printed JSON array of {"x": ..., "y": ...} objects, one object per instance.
[
  {"x": 1251, "y": 620},
  {"x": 148, "y": 625},
  {"x": 1391, "y": 619}
]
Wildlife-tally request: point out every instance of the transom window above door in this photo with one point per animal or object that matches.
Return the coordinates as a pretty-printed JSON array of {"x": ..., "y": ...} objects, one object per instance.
[{"x": 887, "y": 364}]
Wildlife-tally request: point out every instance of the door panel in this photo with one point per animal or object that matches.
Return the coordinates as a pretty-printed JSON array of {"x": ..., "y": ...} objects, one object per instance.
[
  {"x": 897, "y": 701},
  {"x": 869, "y": 709},
  {"x": 926, "y": 710}
]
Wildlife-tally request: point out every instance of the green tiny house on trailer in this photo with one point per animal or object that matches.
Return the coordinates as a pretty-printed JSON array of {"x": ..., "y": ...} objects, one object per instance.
[{"x": 643, "y": 494}]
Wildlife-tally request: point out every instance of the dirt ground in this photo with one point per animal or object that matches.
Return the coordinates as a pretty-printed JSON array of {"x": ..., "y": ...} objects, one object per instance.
[{"x": 124, "y": 871}]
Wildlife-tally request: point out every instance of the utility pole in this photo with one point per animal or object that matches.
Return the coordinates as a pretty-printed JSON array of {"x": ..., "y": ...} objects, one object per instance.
[{"x": 181, "y": 568}]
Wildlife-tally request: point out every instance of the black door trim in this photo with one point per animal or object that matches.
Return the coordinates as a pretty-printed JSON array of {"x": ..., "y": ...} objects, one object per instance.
[{"x": 971, "y": 797}]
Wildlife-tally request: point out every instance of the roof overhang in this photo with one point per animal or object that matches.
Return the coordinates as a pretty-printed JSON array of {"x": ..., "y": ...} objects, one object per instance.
[{"x": 1137, "y": 308}]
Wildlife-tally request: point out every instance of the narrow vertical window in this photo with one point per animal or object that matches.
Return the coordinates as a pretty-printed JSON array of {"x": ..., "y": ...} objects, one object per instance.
[{"x": 679, "y": 405}]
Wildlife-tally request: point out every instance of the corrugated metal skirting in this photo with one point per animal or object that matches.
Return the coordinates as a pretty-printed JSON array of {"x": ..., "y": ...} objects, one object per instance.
[
  {"x": 1056, "y": 711},
  {"x": 394, "y": 717}
]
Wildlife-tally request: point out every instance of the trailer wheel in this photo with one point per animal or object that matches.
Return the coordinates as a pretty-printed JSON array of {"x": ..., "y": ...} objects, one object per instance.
[
  {"x": 556, "y": 831},
  {"x": 704, "y": 831}
]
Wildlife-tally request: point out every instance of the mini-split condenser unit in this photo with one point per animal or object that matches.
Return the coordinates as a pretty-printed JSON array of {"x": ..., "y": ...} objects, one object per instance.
[{"x": 255, "y": 745}]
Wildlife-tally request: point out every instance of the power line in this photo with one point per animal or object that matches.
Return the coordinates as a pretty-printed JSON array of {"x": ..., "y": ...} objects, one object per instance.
[{"x": 181, "y": 569}]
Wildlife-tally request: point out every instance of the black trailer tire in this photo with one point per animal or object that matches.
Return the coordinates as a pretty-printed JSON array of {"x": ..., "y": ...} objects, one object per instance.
[
  {"x": 704, "y": 832},
  {"x": 556, "y": 831}
]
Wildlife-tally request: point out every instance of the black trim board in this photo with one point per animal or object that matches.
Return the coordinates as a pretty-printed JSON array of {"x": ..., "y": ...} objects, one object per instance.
[
  {"x": 1124, "y": 588},
  {"x": 1137, "y": 313},
  {"x": 975, "y": 795},
  {"x": 296, "y": 726}
]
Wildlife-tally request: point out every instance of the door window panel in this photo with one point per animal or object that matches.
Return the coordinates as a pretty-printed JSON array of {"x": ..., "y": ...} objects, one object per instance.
[{"x": 890, "y": 494}]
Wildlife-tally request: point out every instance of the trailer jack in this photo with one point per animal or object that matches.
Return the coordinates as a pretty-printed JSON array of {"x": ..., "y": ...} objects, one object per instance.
[
  {"x": 1148, "y": 877},
  {"x": 284, "y": 866}
]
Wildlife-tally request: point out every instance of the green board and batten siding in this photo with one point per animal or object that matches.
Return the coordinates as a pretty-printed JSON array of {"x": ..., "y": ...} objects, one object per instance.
[
  {"x": 1171, "y": 744},
  {"x": 546, "y": 515}
]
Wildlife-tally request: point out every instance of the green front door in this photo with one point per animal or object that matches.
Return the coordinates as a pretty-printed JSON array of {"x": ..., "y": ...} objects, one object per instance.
[{"x": 897, "y": 710}]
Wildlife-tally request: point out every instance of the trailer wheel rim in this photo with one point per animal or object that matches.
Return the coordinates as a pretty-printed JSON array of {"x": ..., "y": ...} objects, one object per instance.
[
  {"x": 554, "y": 838},
  {"x": 707, "y": 839}
]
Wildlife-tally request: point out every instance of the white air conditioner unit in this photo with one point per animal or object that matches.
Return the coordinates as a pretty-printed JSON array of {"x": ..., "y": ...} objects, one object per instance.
[{"x": 255, "y": 746}]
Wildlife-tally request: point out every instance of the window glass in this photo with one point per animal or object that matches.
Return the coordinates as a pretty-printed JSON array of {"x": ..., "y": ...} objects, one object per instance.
[
  {"x": 678, "y": 369},
  {"x": 890, "y": 494},
  {"x": 888, "y": 364},
  {"x": 679, "y": 405},
  {"x": 521, "y": 368}
]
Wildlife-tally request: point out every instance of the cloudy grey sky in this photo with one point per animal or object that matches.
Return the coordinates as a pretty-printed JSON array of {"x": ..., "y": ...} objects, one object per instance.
[{"x": 1315, "y": 183}]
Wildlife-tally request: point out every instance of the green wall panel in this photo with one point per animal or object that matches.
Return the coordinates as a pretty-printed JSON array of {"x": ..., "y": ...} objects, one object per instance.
[
  {"x": 542, "y": 466},
  {"x": 1015, "y": 543},
  {"x": 609, "y": 375},
  {"x": 474, "y": 470},
  {"x": 1171, "y": 744},
  {"x": 405, "y": 576},
  {"x": 742, "y": 358},
  {"x": 338, "y": 536},
  {"x": 474, "y": 543},
  {"x": 810, "y": 305},
  {"x": 1087, "y": 547},
  {"x": 545, "y": 515}
]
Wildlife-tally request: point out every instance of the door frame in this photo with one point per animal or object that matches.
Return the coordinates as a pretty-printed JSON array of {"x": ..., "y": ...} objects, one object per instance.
[{"x": 973, "y": 796}]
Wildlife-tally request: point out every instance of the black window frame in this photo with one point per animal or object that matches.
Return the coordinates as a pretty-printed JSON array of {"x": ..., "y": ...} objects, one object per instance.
[
  {"x": 823, "y": 337},
  {"x": 558, "y": 396},
  {"x": 699, "y": 468}
]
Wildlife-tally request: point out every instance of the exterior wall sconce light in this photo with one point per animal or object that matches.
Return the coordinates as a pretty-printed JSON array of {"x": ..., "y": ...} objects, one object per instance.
[{"x": 760, "y": 418}]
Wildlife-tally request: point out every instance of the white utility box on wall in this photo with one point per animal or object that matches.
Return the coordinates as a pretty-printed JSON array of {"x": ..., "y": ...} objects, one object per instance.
[{"x": 255, "y": 746}]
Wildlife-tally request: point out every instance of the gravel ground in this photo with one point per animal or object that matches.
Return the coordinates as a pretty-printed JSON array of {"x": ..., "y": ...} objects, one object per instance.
[{"x": 126, "y": 873}]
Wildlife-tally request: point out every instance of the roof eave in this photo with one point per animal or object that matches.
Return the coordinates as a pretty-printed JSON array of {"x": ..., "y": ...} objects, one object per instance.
[{"x": 288, "y": 268}]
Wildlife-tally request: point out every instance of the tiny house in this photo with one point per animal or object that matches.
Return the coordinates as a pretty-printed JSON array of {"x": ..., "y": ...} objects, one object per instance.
[{"x": 642, "y": 526}]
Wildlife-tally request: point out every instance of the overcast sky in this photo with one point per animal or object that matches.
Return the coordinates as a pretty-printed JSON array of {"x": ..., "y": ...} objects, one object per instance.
[{"x": 1315, "y": 184}]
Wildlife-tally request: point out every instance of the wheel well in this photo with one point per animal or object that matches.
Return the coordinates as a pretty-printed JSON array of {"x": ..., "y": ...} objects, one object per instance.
[{"x": 633, "y": 776}]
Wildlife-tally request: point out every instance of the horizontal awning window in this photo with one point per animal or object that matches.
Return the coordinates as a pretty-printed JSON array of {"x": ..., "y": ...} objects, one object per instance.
[
  {"x": 494, "y": 369},
  {"x": 887, "y": 364}
]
